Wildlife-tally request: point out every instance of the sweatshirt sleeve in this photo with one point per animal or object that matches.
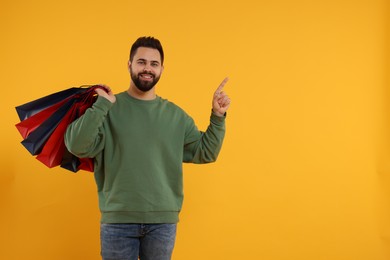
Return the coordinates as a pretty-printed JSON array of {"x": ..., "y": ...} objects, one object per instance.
[
  {"x": 85, "y": 136},
  {"x": 204, "y": 147}
]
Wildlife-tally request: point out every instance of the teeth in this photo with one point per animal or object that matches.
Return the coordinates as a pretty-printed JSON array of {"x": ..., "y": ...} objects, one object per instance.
[{"x": 146, "y": 76}]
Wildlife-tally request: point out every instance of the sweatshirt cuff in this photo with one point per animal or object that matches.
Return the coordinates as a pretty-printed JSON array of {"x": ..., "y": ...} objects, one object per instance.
[{"x": 219, "y": 120}]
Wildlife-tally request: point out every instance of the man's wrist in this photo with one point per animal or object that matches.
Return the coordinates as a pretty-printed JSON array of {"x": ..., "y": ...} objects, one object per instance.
[{"x": 218, "y": 114}]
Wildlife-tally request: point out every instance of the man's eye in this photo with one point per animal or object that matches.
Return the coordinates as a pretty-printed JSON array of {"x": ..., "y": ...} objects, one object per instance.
[
  {"x": 154, "y": 64},
  {"x": 141, "y": 62}
]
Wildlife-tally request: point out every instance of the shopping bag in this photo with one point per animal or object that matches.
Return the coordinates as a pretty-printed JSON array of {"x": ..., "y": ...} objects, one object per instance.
[
  {"x": 45, "y": 120},
  {"x": 86, "y": 164},
  {"x": 31, "y": 108},
  {"x": 53, "y": 150},
  {"x": 70, "y": 161},
  {"x": 74, "y": 164}
]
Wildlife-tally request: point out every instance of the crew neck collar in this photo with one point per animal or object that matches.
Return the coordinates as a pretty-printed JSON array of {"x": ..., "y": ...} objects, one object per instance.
[{"x": 141, "y": 101}]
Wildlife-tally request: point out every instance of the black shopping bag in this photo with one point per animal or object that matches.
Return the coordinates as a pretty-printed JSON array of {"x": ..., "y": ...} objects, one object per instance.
[{"x": 31, "y": 108}]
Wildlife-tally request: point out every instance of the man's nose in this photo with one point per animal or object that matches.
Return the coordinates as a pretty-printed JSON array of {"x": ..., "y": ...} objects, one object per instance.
[{"x": 147, "y": 68}]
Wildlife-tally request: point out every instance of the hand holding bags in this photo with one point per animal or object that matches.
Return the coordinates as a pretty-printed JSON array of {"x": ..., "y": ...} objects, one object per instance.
[{"x": 44, "y": 122}]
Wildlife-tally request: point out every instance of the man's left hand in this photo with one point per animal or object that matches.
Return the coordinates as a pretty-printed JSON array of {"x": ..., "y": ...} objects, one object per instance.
[{"x": 221, "y": 101}]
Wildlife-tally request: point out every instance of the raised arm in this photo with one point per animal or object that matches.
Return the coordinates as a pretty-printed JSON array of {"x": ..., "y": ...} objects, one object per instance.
[{"x": 204, "y": 147}]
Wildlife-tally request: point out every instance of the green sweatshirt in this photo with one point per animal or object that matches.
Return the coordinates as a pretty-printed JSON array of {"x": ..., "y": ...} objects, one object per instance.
[{"x": 139, "y": 147}]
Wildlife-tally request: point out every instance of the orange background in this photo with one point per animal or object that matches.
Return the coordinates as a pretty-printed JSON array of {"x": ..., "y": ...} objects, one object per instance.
[{"x": 304, "y": 173}]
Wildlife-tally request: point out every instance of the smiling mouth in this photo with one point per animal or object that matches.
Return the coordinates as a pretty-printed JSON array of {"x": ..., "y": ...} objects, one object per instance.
[{"x": 146, "y": 76}]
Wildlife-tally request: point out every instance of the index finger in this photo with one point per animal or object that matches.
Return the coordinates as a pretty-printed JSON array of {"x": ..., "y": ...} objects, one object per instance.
[{"x": 223, "y": 83}]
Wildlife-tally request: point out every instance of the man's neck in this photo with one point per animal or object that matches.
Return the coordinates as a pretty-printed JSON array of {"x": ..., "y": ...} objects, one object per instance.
[{"x": 138, "y": 94}]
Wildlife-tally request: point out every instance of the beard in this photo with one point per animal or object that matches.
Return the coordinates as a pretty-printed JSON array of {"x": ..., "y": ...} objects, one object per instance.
[{"x": 142, "y": 85}]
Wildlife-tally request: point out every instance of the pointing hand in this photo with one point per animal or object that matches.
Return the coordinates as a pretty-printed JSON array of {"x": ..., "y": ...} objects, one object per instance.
[{"x": 221, "y": 101}]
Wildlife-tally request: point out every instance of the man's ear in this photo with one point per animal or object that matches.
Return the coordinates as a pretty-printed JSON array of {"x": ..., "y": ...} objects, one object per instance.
[{"x": 128, "y": 65}]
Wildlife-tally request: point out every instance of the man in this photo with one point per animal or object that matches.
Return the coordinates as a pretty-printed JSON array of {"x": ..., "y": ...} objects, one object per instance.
[{"x": 139, "y": 141}]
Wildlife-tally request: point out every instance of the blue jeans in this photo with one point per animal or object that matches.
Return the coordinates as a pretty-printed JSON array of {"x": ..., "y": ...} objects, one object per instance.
[{"x": 130, "y": 241}]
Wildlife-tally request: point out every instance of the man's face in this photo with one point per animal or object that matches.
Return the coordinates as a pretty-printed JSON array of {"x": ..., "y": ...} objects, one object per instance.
[{"x": 145, "y": 69}]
